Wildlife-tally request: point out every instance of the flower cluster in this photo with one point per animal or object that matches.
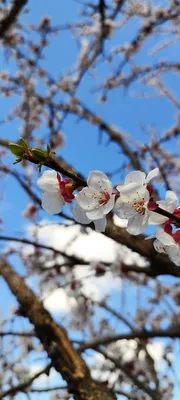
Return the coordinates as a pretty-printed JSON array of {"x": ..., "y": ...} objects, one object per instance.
[{"x": 132, "y": 201}]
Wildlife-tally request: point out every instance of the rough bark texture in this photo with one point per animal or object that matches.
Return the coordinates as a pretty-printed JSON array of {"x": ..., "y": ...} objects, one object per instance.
[{"x": 64, "y": 357}]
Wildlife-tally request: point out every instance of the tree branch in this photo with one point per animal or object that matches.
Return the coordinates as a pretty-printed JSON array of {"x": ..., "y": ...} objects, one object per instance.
[
  {"x": 160, "y": 264},
  {"x": 22, "y": 387},
  {"x": 73, "y": 259},
  {"x": 64, "y": 357},
  {"x": 14, "y": 333},
  {"x": 173, "y": 332},
  {"x": 6, "y": 23}
]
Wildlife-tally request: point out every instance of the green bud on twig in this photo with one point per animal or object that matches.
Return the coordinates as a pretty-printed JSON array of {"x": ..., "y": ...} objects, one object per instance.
[
  {"x": 41, "y": 155},
  {"x": 23, "y": 143},
  {"x": 16, "y": 149}
]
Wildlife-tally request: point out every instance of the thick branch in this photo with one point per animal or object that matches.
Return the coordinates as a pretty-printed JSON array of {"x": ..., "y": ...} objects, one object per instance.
[
  {"x": 6, "y": 23},
  {"x": 64, "y": 357},
  {"x": 56, "y": 164}
]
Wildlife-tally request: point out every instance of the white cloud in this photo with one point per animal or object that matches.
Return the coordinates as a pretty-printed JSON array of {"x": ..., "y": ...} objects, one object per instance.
[
  {"x": 93, "y": 287},
  {"x": 43, "y": 379},
  {"x": 92, "y": 247},
  {"x": 97, "y": 287},
  {"x": 58, "y": 301}
]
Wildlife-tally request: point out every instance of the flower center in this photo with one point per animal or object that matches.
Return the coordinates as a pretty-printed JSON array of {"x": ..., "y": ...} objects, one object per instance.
[
  {"x": 139, "y": 207},
  {"x": 102, "y": 197},
  {"x": 66, "y": 189}
]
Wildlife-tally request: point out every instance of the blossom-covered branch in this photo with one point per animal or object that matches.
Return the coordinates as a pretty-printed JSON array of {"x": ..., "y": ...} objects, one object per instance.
[{"x": 134, "y": 201}]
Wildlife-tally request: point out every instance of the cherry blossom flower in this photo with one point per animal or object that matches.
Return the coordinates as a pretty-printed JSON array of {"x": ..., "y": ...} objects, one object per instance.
[
  {"x": 57, "y": 191},
  {"x": 169, "y": 204},
  {"x": 168, "y": 243},
  {"x": 133, "y": 201},
  {"x": 95, "y": 200}
]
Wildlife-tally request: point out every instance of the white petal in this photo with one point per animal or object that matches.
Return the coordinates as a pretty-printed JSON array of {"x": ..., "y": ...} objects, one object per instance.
[
  {"x": 99, "y": 181},
  {"x": 52, "y": 203},
  {"x": 171, "y": 201},
  {"x": 97, "y": 213},
  {"x": 109, "y": 205},
  {"x": 152, "y": 174},
  {"x": 135, "y": 176},
  {"x": 132, "y": 193},
  {"x": 48, "y": 181},
  {"x": 100, "y": 224},
  {"x": 123, "y": 210},
  {"x": 80, "y": 215},
  {"x": 101, "y": 210},
  {"x": 131, "y": 187},
  {"x": 164, "y": 237},
  {"x": 156, "y": 219},
  {"x": 137, "y": 224},
  {"x": 87, "y": 198},
  {"x": 174, "y": 254}
]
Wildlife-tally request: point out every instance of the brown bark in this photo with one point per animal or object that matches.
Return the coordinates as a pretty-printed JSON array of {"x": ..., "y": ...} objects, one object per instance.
[
  {"x": 64, "y": 357},
  {"x": 11, "y": 17}
]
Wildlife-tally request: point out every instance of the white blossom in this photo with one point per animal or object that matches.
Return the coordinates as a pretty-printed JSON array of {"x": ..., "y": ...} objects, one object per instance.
[
  {"x": 80, "y": 216},
  {"x": 56, "y": 192},
  {"x": 95, "y": 200},
  {"x": 165, "y": 243},
  {"x": 133, "y": 201}
]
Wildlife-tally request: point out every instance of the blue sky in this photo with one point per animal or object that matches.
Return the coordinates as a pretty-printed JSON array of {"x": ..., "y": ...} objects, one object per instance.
[{"x": 82, "y": 149}]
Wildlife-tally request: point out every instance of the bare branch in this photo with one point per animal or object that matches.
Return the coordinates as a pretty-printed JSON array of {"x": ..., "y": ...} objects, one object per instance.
[
  {"x": 173, "y": 332},
  {"x": 23, "y": 387}
]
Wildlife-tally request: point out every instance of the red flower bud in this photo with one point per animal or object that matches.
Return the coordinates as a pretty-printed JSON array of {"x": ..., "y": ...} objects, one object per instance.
[{"x": 152, "y": 205}]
